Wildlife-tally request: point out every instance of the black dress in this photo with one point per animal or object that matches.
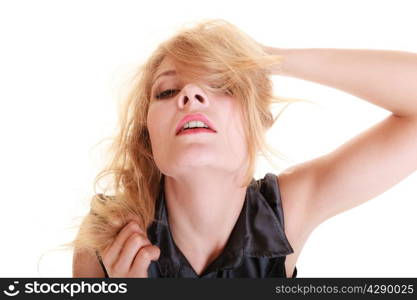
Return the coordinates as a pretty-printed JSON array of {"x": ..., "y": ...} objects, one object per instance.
[{"x": 256, "y": 248}]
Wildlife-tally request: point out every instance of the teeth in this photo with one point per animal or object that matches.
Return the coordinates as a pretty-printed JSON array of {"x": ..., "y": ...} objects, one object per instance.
[{"x": 194, "y": 124}]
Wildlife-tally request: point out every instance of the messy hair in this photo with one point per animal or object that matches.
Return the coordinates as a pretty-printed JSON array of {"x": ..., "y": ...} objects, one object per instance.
[{"x": 213, "y": 51}]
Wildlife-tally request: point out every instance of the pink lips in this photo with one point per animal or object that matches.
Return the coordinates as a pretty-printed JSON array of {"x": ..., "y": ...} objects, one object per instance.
[{"x": 194, "y": 117}]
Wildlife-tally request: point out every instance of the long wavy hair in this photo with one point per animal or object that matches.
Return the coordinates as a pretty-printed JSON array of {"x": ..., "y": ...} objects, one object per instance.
[{"x": 210, "y": 51}]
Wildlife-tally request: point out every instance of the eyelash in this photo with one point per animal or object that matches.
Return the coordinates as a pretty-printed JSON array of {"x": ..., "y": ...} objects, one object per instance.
[{"x": 159, "y": 96}]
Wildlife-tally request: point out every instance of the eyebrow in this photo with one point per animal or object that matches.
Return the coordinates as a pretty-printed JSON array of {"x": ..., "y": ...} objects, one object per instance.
[{"x": 165, "y": 73}]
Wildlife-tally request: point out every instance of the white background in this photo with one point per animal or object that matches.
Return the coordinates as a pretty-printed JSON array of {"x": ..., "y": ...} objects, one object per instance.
[{"x": 63, "y": 67}]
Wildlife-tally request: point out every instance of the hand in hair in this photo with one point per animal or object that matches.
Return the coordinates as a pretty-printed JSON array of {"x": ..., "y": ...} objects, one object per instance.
[
  {"x": 130, "y": 254},
  {"x": 278, "y": 67}
]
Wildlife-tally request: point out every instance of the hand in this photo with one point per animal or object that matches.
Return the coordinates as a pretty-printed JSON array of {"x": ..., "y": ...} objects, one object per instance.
[
  {"x": 277, "y": 68},
  {"x": 130, "y": 254}
]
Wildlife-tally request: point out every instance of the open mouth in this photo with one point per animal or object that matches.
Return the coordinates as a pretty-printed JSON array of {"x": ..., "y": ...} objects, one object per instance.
[
  {"x": 194, "y": 123},
  {"x": 195, "y": 130}
]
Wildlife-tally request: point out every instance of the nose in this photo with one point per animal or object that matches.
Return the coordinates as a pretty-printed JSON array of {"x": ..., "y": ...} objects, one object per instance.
[{"x": 192, "y": 96}]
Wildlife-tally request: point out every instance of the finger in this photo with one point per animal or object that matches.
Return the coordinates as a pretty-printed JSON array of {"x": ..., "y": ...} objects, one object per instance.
[
  {"x": 130, "y": 249},
  {"x": 105, "y": 250},
  {"x": 113, "y": 252},
  {"x": 143, "y": 259}
]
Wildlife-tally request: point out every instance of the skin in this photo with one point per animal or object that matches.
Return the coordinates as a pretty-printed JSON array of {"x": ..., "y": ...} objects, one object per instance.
[
  {"x": 368, "y": 164},
  {"x": 203, "y": 171},
  {"x": 314, "y": 191}
]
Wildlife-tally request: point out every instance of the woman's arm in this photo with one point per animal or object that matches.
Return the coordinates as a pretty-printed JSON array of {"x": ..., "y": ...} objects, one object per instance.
[
  {"x": 371, "y": 162},
  {"x": 86, "y": 265},
  {"x": 386, "y": 78}
]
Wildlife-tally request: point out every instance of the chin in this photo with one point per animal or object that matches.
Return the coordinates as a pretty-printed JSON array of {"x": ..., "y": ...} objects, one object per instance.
[{"x": 196, "y": 162}]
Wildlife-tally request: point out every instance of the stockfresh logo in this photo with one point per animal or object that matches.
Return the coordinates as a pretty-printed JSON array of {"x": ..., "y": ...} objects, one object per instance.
[{"x": 11, "y": 289}]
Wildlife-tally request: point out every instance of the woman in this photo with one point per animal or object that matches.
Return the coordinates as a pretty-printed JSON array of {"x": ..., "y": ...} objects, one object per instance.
[{"x": 185, "y": 203}]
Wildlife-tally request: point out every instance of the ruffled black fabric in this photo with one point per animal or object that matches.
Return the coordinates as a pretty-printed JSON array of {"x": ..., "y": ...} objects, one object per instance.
[{"x": 256, "y": 248}]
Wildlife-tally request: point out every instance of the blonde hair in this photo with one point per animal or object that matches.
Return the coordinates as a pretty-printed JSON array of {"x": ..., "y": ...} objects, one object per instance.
[{"x": 213, "y": 51}]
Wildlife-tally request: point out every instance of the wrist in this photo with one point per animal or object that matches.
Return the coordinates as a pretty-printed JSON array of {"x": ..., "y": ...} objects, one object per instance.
[{"x": 281, "y": 66}]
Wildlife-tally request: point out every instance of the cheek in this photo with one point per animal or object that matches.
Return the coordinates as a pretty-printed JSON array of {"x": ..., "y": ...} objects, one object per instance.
[
  {"x": 152, "y": 121},
  {"x": 239, "y": 133},
  {"x": 157, "y": 122},
  {"x": 238, "y": 123},
  {"x": 235, "y": 132}
]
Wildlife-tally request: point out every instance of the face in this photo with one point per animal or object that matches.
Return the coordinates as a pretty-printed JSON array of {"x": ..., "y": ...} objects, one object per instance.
[{"x": 179, "y": 155}]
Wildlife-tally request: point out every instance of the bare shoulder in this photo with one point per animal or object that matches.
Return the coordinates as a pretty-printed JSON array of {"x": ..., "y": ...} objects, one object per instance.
[
  {"x": 296, "y": 186},
  {"x": 85, "y": 264}
]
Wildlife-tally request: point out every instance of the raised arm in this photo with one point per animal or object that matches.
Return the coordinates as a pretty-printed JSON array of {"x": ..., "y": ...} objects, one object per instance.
[
  {"x": 386, "y": 78},
  {"x": 371, "y": 162}
]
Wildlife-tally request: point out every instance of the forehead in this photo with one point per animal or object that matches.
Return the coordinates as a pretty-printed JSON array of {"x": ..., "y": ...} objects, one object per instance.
[{"x": 166, "y": 64}]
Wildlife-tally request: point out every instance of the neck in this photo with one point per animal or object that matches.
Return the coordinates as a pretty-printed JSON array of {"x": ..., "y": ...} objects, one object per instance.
[{"x": 202, "y": 211}]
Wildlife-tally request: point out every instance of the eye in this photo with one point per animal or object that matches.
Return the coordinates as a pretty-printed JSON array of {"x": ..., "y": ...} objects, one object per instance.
[{"x": 166, "y": 94}]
